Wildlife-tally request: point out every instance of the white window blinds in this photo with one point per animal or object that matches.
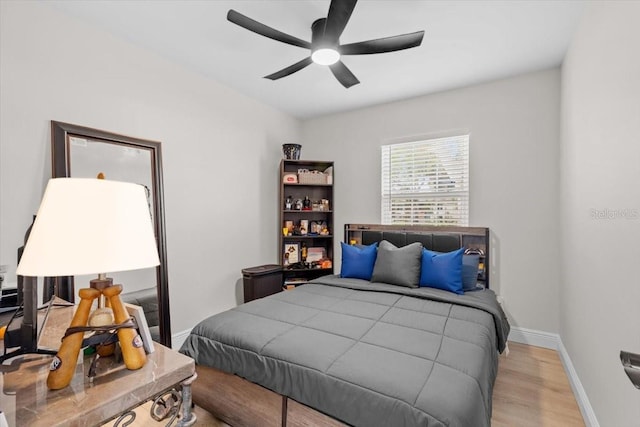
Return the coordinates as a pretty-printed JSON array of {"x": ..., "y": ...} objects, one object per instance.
[{"x": 426, "y": 182}]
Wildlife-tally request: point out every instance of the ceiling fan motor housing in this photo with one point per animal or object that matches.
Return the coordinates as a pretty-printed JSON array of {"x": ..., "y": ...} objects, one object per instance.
[
  {"x": 318, "y": 39},
  {"x": 324, "y": 51}
]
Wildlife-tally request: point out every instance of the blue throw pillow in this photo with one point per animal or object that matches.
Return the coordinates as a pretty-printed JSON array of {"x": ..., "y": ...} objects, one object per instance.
[
  {"x": 470, "y": 272},
  {"x": 358, "y": 262},
  {"x": 442, "y": 270}
]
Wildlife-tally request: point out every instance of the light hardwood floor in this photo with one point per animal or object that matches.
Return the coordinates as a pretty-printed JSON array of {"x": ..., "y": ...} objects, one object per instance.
[
  {"x": 531, "y": 389},
  {"x": 143, "y": 419}
]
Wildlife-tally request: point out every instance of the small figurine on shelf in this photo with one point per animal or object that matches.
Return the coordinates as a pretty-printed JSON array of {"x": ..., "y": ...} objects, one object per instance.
[
  {"x": 298, "y": 205},
  {"x": 324, "y": 230},
  {"x": 314, "y": 228},
  {"x": 289, "y": 226},
  {"x": 306, "y": 204},
  {"x": 303, "y": 252},
  {"x": 288, "y": 204}
]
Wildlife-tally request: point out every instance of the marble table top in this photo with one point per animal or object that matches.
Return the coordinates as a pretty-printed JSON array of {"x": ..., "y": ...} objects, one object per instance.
[{"x": 26, "y": 400}]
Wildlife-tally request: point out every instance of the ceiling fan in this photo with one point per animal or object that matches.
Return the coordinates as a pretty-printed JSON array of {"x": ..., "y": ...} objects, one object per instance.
[{"x": 325, "y": 41}]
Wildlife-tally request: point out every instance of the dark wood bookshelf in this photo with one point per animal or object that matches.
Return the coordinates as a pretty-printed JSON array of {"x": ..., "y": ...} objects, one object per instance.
[{"x": 315, "y": 192}]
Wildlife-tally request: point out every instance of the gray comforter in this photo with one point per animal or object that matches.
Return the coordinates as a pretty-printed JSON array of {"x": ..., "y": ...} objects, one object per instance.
[{"x": 368, "y": 354}]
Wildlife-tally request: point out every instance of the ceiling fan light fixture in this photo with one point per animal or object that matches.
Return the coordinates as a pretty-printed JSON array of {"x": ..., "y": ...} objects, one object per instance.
[{"x": 325, "y": 56}]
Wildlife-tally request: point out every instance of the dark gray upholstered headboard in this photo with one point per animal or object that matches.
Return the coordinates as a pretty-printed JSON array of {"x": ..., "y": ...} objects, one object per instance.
[{"x": 435, "y": 238}]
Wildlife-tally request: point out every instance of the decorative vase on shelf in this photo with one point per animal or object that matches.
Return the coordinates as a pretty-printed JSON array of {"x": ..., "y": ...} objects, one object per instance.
[{"x": 291, "y": 151}]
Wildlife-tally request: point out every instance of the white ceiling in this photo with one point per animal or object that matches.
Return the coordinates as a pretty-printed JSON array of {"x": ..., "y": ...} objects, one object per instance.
[{"x": 466, "y": 42}]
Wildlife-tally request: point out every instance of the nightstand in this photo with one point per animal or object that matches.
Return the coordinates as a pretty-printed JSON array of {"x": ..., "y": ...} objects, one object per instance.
[{"x": 113, "y": 393}]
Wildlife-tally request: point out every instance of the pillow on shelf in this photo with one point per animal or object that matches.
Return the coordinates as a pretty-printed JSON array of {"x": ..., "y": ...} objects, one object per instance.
[
  {"x": 358, "y": 261},
  {"x": 470, "y": 272},
  {"x": 398, "y": 266},
  {"x": 442, "y": 270}
]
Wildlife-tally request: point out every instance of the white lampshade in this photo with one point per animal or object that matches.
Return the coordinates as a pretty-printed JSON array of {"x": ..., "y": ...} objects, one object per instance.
[{"x": 90, "y": 226}]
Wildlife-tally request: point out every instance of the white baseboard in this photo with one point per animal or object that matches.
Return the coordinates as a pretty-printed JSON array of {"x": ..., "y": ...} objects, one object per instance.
[
  {"x": 554, "y": 342},
  {"x": 586, "y": 409},
  {"x": 533, "y": 337},
  {"x": 178, "y": 339}
]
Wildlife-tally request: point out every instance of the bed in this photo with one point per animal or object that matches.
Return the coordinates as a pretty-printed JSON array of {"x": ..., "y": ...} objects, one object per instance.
[{"x": 349, "y": 351}]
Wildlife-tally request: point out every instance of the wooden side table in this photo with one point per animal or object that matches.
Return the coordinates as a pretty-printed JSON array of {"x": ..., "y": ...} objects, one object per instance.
[{"x": 26, "y": 400}]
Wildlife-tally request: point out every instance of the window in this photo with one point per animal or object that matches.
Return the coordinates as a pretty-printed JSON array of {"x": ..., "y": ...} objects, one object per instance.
[{"x": 426, "y": 182}]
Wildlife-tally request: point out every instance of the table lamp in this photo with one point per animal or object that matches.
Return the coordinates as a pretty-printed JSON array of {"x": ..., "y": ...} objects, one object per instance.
[{"x": 91, "y": 226}]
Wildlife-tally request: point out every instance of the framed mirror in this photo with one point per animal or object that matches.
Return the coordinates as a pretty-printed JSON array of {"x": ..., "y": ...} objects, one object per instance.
[{"x": 83, "y": 152}]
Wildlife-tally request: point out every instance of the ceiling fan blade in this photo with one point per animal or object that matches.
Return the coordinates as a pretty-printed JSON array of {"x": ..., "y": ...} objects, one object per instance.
[
  {"x": 343, "y": 74},
  {"x": 257, "y": 27},
  {"x": 337, "y": 18},
  {"x": 386, "y": 44},
  {"x": 290, "y": 69}
]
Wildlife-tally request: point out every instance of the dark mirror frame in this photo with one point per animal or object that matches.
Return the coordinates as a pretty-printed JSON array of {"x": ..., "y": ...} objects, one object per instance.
[{"x": 60, "y": 167}]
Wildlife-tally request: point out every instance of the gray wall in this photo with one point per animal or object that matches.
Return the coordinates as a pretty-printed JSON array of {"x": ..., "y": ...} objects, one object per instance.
[
  {"x": 221, "y": 149},
  {"x": 600, "y": 164},
  {"x": 514, "y": 138}
]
